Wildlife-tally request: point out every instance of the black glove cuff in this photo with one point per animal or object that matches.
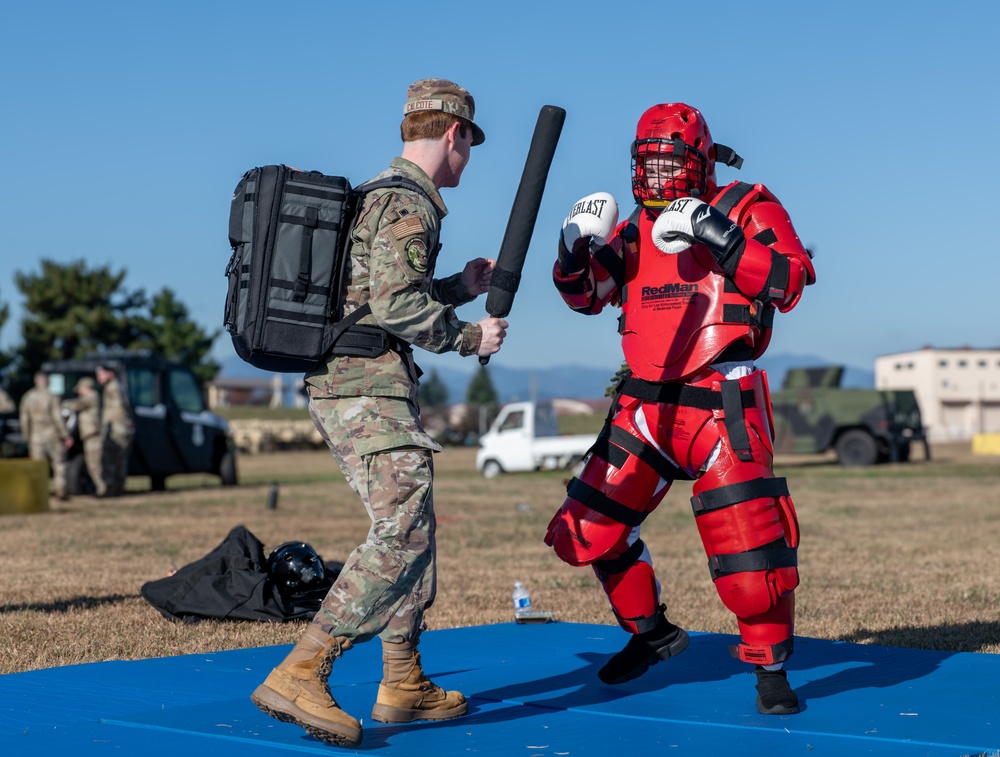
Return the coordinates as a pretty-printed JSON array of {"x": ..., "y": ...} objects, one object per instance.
[{"x": 576, "y": 259}]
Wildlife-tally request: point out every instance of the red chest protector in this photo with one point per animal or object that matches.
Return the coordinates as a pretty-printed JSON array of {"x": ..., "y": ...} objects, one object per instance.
[{"x": 679, "y": 312}]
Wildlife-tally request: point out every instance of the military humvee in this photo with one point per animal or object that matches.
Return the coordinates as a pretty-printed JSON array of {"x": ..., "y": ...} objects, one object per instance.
[
  {"x": 813, "y": 414},
  {"x": 174, "y": 431}
]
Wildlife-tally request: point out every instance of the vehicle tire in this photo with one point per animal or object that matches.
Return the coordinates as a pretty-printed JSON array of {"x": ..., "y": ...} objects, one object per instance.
[
  {"x": 857, "y": 449},
  {"x": 227, "y": 469},
  {"x": 492, "y": 469},
  {"x": 158, "y": 483}
]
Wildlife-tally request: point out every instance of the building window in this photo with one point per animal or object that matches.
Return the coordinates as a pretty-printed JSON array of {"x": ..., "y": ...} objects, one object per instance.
[
  {"x": 942, "y": 363},
  {"x": 982, "y": 363},
  {"x": 963, "y": 363}
]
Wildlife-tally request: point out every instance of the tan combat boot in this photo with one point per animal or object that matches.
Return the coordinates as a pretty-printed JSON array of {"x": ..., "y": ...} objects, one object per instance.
[
  {"x": 406, "y": 694},
  {"x": 297, "y": 690}
]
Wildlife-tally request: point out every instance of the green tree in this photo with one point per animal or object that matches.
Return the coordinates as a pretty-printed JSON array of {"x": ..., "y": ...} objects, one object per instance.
[
  {"x": 481, "y": 391},
  {"x": 71, "y": 310},
  {"x": 169, "y": 331},
  {"x": 6, "y": 358},
  {"x": 432, "y": 392}
]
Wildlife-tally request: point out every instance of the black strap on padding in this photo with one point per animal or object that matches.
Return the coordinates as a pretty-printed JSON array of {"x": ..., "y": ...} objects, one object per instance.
[
  {"x": 309, "y": 224},
  {"x": 767, "y": 237},
  {"x": 727, "y": 156},
  {"x": 768, "y": 557},
  {"x": 732, "y": 195},
  {"x": 614, "y": 265},
  {"x": 679, "y": 394},
  {"x": 572, "y": 286},
  {"x": 733, "y": 313},
  {"x": 777, "y": 278},
  {"x": 733, "y": 494},
  {"x": 624, "y": 561},
  {"x": 736, "y": 426},
  {"x": 645, "y": 452},
  {"x": 601, "y": 503}
]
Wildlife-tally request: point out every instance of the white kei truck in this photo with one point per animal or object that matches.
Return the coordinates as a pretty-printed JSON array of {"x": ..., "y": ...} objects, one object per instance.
[{"x": 525, "y": 437}]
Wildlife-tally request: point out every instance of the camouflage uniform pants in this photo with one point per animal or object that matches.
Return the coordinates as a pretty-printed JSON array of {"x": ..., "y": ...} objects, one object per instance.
[
  {"x": 93, "y": 456},
  {"x": 51, "y": 448},
  {"x": 388, "y": 582},
  {"x": 114, "y": 460}
]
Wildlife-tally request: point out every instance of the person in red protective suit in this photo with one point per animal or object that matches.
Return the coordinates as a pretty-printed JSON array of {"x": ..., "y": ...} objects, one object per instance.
[{"x": 698, "y": 272}]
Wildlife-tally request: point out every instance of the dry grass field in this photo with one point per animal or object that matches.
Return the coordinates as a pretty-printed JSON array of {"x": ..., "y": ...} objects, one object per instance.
[{"x": 901, "y": 555}]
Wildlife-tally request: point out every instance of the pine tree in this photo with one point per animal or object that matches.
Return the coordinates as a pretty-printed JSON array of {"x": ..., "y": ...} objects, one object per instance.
[
  {"x": 481, "y": 391},
  {"x": 432, "y": 392}
]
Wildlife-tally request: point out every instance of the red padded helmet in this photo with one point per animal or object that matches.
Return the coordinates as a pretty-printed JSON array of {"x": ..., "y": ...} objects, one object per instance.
[{"x": 674, "y": 156}]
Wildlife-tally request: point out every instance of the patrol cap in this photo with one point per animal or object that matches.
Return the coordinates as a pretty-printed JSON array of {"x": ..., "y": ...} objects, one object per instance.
[
  {"x": 85, "y": 381},
  {"x": 444, "y": 95}
]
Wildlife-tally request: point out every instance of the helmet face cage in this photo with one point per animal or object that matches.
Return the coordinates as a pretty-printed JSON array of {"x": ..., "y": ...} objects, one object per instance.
[
  {"x": 295, "y": 568},
  {"x": 665, "y": 169}
]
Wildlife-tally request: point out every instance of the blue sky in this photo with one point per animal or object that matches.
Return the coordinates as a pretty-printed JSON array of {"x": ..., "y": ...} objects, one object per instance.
[{"x": 126, "y": 125}]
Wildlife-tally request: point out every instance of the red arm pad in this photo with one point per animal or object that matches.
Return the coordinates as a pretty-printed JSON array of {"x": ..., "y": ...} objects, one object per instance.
[{"x": 774, "y": 266}]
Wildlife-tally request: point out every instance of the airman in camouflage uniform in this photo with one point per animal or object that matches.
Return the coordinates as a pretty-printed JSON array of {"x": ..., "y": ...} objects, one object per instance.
[
  {"x": 87, "y": 407},
  {"x": 43, "y": 426},
  {"x": 117, "y": 431},
  {"x": 6, "y": 403},
  {"x": 365, "y": 406}
]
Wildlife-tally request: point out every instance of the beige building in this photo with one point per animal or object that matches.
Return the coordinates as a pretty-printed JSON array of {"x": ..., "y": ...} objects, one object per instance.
[{"x": 958, "y": 389}]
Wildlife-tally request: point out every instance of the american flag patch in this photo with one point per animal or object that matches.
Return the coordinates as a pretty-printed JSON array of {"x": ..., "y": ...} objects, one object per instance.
[{"x": 407, "y": 227}]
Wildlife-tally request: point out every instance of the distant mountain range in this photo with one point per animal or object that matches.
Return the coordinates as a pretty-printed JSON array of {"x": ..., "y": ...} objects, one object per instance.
[{"x": 572, "y": 381}]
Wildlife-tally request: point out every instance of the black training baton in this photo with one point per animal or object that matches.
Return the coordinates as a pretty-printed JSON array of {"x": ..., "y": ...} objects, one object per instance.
[{"x": 520, "y": 225}]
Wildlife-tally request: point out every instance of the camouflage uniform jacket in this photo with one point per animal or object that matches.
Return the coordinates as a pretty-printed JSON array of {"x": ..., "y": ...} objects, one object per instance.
[
  {"x": 115, "y": 411},
  {"x": 88, "y": 414},
  {"x": 41, "y": 417},
  {"x": 393, "y": 250}
]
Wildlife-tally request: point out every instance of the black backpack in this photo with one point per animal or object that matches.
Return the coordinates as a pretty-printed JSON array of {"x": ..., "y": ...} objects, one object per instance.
[{"x": 289, "y": 231}]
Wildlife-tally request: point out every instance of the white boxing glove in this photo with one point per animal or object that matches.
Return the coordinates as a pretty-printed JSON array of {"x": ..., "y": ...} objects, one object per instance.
[
  {"x": 673, "y": 231},
  {"x": 687, "y": 220},
  {"x": 594, "y": 216}
]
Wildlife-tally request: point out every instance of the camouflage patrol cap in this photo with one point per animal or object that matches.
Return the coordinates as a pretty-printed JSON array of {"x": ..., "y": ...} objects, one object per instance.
[
  {"x": 444, "y": 95},
  {"x": 85, "y": 381}
]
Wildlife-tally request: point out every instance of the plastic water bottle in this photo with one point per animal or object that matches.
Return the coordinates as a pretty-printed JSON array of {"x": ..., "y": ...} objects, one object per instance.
[{"x": 521, "y": 599}]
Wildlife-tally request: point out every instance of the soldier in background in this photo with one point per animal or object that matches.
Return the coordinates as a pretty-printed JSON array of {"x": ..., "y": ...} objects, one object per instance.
[
  {"x": 43, "y": 427},
  {"x": 117, "y": 431},
  {"x": 87, "y": 407},
  {"x": 6, "y": 403}
]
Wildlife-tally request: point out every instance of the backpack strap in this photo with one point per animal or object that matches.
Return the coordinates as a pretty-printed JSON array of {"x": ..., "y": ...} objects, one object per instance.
[{"x": 396, "y": 181}]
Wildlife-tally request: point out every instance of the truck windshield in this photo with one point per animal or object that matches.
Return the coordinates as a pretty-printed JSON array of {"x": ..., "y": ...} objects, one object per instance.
[{"x": 185, "y": 391}]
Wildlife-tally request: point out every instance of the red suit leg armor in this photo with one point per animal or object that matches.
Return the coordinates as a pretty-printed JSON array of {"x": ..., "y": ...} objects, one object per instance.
[
  {"x": 749, "y": 529},
  {"x": 621, "y": 483}
]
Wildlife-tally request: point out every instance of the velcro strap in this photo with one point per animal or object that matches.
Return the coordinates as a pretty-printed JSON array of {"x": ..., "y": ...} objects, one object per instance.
[
  {"x": 572, "y": 286},
  {"x": 601, "y": 503},
  {"x": 731, "y": 197},
  {"x": 764, "y": 655},
  {"x": 777, "y": 279},
  {"x": 680, "y": 394},
  {"x": 736, "y": 426},
  {"x": 506, "y": 280},
  {"x": 612, "y": 263},
  {"x": 733, "y": 494},
  {"x": 645, "y": 452},
  {"x": 624, "y": 561},
  {"x": 767, "y": 557}
]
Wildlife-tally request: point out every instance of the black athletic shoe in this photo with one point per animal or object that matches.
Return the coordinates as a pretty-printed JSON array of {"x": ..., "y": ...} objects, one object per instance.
[
  {"x": 774, "y": 695},
  {"x": 643, "y": 651}
]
